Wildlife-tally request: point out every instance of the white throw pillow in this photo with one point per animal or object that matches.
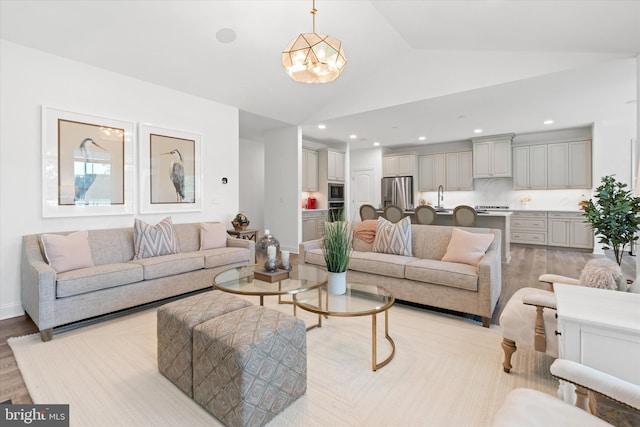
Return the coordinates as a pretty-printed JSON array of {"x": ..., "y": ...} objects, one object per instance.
[
  {"x": 602, "y": 273},
  {"x": 467, "y": 248},
  {"x": 213, "y": 235},
  {"x": 393, "y": 238},
  {"x": 154, "y": 240},
  {"x": 70, "y": 252}
]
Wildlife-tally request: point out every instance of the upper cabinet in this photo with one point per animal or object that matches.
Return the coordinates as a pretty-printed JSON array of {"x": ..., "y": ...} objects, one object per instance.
[
  {"x": 335, "y": 166},
  {"x": 459, "y": 171},
  {"x": 432, "y": 172},
  {"x": 492, "y": 156},
  {"x": 309, "y": 170},
  {"x": 530, "y": 167},
  {"x": 570, "y": 164},
  {"x": 399, "y": 165}
]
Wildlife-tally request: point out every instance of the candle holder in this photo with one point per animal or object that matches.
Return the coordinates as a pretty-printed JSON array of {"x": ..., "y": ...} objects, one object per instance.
[
  {"x": 271, "y": 265},
  {"x": 262, "y": 246}
]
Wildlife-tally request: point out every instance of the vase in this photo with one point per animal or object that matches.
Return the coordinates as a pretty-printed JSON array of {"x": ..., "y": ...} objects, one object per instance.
[{"x": 337, "y": 283}]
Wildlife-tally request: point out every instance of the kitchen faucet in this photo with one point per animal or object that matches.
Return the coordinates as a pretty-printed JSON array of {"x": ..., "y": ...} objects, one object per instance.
[{"x": 440, "y": 196}]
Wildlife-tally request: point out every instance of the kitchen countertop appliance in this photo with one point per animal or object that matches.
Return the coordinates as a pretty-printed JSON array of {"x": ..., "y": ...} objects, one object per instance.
[
  {"x": 398, "y": 191},
  {"x": 311, "y": 203}
]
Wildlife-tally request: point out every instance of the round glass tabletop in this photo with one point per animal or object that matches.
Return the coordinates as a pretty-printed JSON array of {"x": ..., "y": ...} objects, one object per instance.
[
  {"x": 359, "y": 300},
  {"x": 253, "y": 280}
]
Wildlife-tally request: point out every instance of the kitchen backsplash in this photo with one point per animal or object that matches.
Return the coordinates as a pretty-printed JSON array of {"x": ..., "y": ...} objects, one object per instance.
[{"x": 499, "y": 191}]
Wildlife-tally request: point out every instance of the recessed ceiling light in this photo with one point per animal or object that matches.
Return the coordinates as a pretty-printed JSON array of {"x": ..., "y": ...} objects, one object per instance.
[
  {"x": 548, "y": 122},
  {"x": 322, "y": 126},
  {"x": 353, "y": 136},
  {"x": 226, "y": 35},
  {"x": 422, "y": 138},
  {"x": 376, "y": 143},
  {"x": 477, "y": 131}
]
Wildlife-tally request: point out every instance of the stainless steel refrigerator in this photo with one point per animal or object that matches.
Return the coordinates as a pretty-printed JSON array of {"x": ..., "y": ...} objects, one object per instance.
[{"x": 398, "y": 191}]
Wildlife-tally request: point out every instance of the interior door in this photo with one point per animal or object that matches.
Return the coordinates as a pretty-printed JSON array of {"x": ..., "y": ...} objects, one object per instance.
[{"x": 362, "y": 187}]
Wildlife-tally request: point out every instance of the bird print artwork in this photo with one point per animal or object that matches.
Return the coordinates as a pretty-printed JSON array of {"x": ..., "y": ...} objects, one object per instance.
[
  {"x": 176, "y": 174},
  {"x": 85, "y": 181}
]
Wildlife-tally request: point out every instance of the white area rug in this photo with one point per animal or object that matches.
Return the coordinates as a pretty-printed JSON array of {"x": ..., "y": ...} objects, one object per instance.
[{"x": 446, "y": 372}]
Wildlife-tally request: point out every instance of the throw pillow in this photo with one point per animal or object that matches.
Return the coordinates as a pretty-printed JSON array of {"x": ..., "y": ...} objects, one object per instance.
[
  {"x": 154, "y": 240},
  {"x": 213, "y": 235},
  {"x": 601, "y": 273},
  {"x": 466, "y": 247},
  {"x": 65, "y": 253},
  {"x": 393, "y": 238}
]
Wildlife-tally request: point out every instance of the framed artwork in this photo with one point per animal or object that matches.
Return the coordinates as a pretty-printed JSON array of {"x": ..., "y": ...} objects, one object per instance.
[
  {"x": 87, "y": 164},
  {"x": 170, "y": 170}
]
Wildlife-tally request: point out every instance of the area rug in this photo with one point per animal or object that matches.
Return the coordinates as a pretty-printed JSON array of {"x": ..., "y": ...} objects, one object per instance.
[{"x": 446, "y": 372}]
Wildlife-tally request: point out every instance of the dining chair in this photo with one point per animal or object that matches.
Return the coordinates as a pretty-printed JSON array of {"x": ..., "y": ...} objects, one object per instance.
[
  {"x": 425, "y": 214},
  {"x": 464, "y": 216},
  {"x": 368, "y": 212},
  {"x": 393, "y": 213}
]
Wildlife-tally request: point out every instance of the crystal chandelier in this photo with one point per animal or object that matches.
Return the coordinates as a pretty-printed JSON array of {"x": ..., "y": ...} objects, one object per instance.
[{"x": 314, "y": 58}]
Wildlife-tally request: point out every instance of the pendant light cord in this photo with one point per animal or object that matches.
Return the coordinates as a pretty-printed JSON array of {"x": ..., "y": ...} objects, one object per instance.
[{"x": 313, "y": 12}]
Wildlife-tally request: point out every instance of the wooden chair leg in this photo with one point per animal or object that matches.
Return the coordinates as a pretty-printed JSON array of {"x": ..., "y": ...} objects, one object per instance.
[
  {"x": 46, "y": 335},
  {"x": 486, "y": 322},
  {"x": 509, "y": 347},
  {"x": 540, "y": 339},
  {"x": 582, "y": 398}
]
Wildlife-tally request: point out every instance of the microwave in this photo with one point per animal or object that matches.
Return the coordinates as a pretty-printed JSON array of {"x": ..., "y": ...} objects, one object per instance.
[{"x": 336, "y": 192}]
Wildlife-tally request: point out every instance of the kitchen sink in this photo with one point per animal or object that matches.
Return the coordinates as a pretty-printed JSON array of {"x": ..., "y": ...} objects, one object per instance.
[{"x": 443, "y": 210}]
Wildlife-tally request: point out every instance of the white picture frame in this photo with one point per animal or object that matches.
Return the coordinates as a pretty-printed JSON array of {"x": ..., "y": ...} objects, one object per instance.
[
  {"x": 87, "y": 164},
  {"x": 170, "y": 170}
]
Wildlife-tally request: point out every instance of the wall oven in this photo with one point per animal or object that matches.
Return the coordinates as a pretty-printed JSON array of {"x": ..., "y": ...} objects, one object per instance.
[
  {"x": 336, "y": 192},
  {"x": 336, "y": 211}
]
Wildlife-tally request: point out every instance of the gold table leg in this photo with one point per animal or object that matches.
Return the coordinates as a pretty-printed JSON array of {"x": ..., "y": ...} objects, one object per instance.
[{"x": 374, "y": 339}]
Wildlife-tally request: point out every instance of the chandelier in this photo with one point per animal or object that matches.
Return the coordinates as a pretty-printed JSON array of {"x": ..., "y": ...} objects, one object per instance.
[{"x": 312, "y": 57}]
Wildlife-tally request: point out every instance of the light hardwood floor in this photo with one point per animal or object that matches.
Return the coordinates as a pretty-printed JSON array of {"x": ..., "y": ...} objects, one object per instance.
[{"x": 527, "y": 263}]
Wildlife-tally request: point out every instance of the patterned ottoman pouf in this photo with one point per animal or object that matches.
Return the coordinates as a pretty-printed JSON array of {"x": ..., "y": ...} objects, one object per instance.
[
  {"x": 175, "y": 326},
  {"x": 249, "y": 365}
]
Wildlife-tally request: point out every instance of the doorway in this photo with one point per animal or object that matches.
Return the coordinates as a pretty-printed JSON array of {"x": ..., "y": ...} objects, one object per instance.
[{"x": 362, "y": 186}]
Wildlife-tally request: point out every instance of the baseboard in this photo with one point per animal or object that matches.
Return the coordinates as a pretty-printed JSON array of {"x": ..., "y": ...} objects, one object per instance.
[{"x": 8, "y": 311}]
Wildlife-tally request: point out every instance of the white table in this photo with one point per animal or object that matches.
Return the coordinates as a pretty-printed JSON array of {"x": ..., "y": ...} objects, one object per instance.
[{"x": 600, "y": 328}]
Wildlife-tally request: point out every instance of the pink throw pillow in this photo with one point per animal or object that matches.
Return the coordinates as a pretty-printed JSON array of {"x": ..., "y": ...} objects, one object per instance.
[
  {"x": 70, "y": 252},
  {"x": 467, "y": 248},
  {"x": 212, "y": 235}
]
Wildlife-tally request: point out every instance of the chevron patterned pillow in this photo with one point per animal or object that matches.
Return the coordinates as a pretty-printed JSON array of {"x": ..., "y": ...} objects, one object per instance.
[
  {"x": 393, "y": 238},
  {"x": 153, "y": 240}
]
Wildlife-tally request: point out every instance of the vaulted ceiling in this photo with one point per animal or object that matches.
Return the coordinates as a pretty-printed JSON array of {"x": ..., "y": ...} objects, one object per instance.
[{"x": 438, "y": 69}]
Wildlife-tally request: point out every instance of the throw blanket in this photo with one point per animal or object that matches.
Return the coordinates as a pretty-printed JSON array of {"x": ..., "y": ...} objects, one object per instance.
[{"x": 366, "y": 230}]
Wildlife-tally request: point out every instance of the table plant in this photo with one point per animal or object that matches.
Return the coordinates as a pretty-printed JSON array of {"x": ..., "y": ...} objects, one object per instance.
[{"x": 336, "y": 249}]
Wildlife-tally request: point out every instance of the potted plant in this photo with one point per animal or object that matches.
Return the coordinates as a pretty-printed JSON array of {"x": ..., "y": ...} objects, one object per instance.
[
  {"x": 613, "y": 215},
  {"x": 336, "y": 249}
]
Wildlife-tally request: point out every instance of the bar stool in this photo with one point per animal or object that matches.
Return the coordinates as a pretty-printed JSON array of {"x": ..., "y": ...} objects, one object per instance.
[
  {"x": 425, "y": 214},
  {"x": 368, "y": 212},
  {"x": 464, "y": 216},
  {"x": 393, "y": 213}
]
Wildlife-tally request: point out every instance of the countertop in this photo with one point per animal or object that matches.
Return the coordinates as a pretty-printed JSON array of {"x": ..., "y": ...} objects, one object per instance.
[
  {"x": 450, "y": 213},
  {"x": 315, "y": 210}
]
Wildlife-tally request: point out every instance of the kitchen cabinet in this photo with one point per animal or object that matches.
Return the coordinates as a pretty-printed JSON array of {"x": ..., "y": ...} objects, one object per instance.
[
  {"x": 399, "y": 165},
  {"x": 569, "y": 229},
  {"x": 459, "y": 171},
  {"x": 529, "y": 227},
  {"x": 432, "y": 172},
  {"x": 309, "y": 170},
  {"x": 335, "y": 166},
  {"x": 492, "y": 156},
  {"x": 569, "y": 165},
  {"x": 313, "y": 224},
  {"x": 530, "y": 167}
]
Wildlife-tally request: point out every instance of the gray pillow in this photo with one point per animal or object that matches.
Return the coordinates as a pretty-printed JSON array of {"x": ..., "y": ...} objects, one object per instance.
[{"x": 154, "y": 240}]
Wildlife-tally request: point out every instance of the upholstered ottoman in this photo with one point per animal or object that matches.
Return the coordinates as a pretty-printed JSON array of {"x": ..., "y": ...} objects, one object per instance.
[
  {"x": 249, "y": 365},
  {"x": 175, "y": 326}
]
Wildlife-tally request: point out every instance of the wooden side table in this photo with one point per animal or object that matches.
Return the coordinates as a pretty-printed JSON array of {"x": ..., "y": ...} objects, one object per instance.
[{"x": 248, "y": 234}]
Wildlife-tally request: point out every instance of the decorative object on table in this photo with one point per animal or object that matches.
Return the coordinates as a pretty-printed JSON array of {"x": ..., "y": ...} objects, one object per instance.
[
  {"x": 525, "y": 202},
  {"x": 271, "y": 264},
  {"x": 614, "y": 215},
  {"x": 240, "y": 222},
  {"x": 313, "y": 57},
  {"x": 271, "y": 276},
  {"x": 284, "y": 260},
  {"x": 336, "y": 249},
  {"x": 266, "y": 241}
]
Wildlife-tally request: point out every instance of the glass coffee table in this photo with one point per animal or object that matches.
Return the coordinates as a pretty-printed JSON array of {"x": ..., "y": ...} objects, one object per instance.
[
  {"x": 253, "y": 280},
  {"x": 359, "y": 300}
]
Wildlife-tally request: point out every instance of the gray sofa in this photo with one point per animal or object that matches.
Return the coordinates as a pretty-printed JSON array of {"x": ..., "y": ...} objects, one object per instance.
[
  {"x": 117, "y": 281},
  {"x": 423, "y": 278}
]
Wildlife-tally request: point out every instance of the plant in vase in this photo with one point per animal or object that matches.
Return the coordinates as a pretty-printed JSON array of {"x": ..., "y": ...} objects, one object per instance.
[
  {"x": 614, "y": 215},
  {"x": 336, "y": 249}
]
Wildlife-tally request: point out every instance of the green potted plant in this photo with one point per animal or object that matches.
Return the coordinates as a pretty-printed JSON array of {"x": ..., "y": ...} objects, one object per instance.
[
  {"x": 336, "y": 249},
  {"x": 613, "y": 215}
]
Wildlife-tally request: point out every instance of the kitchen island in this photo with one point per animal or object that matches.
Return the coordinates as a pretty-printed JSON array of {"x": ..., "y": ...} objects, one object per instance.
[{"x": 500, "y": 220}]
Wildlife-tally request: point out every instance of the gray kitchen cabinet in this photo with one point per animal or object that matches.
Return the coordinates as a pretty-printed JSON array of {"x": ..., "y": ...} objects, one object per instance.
[
  {"x": 530, "y": 167},
  {"x": 335, "y": 166},
  {"x": 309, "y": 170},
  {"x": 492, "y": 156},
  {"x": 459, "y": 171},
  {"x": 432, "y": 172},
  {"x": 569, "y": 229},
  {"x": 569, "y": 165},
  {"x": 399, "y": 165},
  {"x": 529, "y": 227},
  {"x": 313, "y": 224}
]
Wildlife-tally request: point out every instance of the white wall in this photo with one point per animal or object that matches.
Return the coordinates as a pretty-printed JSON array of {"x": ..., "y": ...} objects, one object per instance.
[
  {"x": 252, "y": 182},
  {"x": 29, "y": 79},
  {"x": 282, "y": 183}
]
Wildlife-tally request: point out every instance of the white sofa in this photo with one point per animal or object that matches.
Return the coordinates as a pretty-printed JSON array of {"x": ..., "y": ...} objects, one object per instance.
[
  {"x": 117, "y": 281},
  {"x": 424, "y": 278}
]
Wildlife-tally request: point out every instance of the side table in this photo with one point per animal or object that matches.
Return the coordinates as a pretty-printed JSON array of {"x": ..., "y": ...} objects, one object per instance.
[{"x": 248, "y": 234}]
